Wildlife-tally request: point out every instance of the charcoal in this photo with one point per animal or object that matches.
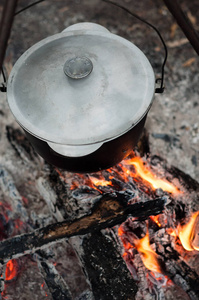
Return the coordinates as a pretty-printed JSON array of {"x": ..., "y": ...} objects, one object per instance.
[
  {"x": 181, "y": 282},
  {"x": 57, "y": 286},
  {"x": 106, "y": 269},
  {"x": 87, "y": 295}
]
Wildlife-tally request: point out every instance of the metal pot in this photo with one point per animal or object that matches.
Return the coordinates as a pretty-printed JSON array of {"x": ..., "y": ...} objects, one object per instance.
[{"x": 82, "y": 97}]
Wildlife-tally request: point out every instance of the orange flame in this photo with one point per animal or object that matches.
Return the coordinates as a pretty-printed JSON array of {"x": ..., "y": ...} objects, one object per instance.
[
  {"x": 156, "y": 220},
  {"x": 99, "y": 182},
  {"x": 148, "y": 176},
  {"x": 126, "y": 173},
  {"x": 11, "y": 269},
  {"x": 149, "y": 257},
  {"x": 187, "y": 233},
  {"x": 172, "y": 232}
]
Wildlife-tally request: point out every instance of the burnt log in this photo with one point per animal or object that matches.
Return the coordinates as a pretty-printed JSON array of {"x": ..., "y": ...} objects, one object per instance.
[
  {"x": 105, "y": 268},
  {"x": 56, "y": 284},
  {"x": 186, "y": 278},
  {"x": 185, "y": 180},
  {"x": 109, "y": 211}
]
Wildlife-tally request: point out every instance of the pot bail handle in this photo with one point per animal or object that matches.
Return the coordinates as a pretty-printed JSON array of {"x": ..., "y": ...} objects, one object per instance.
[{"x": 160, "y": 89}]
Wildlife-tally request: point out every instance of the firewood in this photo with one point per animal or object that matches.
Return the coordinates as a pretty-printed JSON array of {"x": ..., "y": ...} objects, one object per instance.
[
  {"x": 105, "y": 268},
  {"x": 108, "y": 211},
  {"x": 56, "y": 284}
]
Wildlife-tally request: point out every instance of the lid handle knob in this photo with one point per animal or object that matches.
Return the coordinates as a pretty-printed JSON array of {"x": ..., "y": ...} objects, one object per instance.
[{"x": 78, "y": 67}]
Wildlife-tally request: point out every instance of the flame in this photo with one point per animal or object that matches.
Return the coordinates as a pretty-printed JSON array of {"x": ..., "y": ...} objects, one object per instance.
[
  {"x": 172, "y": 232},
  {"x": 149, "y": 257},
  {"x": 11, "y": 269},
  {"x": 156, "y": 220},
  {"x": 148, "y": 176},
  {"x": 99, "y": 182},
  {"x": 120, "y": 231},
  {"x": 187, "y": 233},
  {"x": 126, "y": 173},
  {"x": 123, "y": 173}
]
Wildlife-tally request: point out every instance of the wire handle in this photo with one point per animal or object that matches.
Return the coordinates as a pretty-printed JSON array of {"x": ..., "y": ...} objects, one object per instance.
[
  {"x": 160, "y": 89},
  {"x": 157, "y": 90},
  {"x": 3, "y": 87}
]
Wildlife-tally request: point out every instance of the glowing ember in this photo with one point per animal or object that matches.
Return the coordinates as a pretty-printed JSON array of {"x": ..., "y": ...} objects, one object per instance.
[
  {"x": 187, "y": 233},
  {"x": 99, "y": 182},
  {"x": 42, "y": 285},
  {"x": 149, "y": 257},
  {"x": 156, "y": 220},
  {"x": 126, "y": 173},
  {"x": 172, "y": 232},
  {"x": 11, "y": 270},
  {"x": 148, "y": 176},
  {"x": 126, "y": 244},
  {"x": 123, "y": 173}
]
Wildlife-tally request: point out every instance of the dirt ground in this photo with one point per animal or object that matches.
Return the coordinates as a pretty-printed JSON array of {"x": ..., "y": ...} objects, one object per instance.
[{"x": 172, "y": 122}]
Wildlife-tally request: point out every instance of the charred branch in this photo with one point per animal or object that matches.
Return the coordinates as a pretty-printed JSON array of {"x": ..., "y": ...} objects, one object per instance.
[
  {"x": 109, "y": 211},
  {"x": 185, "y": 277},
  {"x": 56, "y": 284}
]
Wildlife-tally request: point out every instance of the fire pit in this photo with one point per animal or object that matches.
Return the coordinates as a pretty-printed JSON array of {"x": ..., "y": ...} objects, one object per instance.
[{"x": 157, "y": 260}]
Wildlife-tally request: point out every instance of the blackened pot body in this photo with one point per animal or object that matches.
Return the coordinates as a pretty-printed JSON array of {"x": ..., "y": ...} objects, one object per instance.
[{"x": 108, "y": 155}]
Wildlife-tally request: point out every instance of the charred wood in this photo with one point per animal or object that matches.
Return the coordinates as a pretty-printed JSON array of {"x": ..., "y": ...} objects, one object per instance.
[
  {"x": 9, "y": 189},
  {"x": 22, "y": 146},
  {"x": 186, "y": 180},
  {"x": 106, "y": 269},
  {"x": 56, "y": 284},
  {"x": 185, "y": 277},
  {"x": 2, "y": 281},
  {"x": 86, "y": 295},
  {"x": 109, "y": 211}
]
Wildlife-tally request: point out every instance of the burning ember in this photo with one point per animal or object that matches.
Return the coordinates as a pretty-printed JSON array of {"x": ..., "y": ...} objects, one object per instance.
[
  {"x": 99, "y": 182},
  {"x": 144, "y": 250},
  {"x": 126, "y": 174},
  {"x": 11, "y": 270},
  {"x": 156, "y": 220},
  {"x": 134, "y": 170},
  {"x": 128, "y": 171}
]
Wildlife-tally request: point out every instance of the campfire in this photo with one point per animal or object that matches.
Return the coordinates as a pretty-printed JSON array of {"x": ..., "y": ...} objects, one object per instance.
[
  {"x": 141, "y": 208},
  {"x": 163, "y": 229}
]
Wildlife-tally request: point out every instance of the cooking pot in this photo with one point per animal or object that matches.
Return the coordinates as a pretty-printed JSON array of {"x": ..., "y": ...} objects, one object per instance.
[{"x": 82, "y": 97}]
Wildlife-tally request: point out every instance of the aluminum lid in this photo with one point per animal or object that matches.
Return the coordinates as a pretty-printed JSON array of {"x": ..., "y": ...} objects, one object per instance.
[{"x": 114, "y": 91}]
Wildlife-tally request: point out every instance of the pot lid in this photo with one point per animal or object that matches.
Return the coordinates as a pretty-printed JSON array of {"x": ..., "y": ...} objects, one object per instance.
[{"x": 81, "y": 87}]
